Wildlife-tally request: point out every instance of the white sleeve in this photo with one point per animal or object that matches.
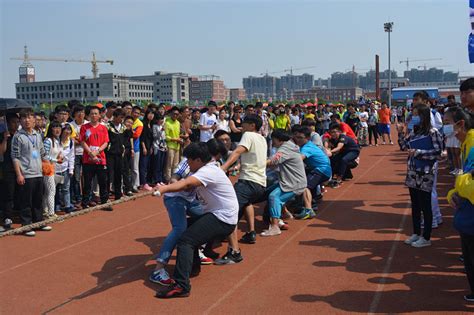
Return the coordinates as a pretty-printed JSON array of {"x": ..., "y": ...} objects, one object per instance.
[
  {"x": 205, "y": 175},
  {"x": 203, "y": 120},
  {"x": 246, "y": 142}
]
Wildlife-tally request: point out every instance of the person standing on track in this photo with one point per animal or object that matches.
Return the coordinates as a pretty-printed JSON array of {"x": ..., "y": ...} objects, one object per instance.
[
  {"x": 425, "y": 145},
  {"x": 384, "y": 123},
  {"x": 220, "y": 207}
]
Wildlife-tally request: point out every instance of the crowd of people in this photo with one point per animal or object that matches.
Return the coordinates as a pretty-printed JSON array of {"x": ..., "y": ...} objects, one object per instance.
[{"x": 283, "y": 155}]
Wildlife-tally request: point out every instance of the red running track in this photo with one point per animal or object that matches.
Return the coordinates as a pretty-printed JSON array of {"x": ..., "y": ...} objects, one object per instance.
[{"x": 351, "y": 258}]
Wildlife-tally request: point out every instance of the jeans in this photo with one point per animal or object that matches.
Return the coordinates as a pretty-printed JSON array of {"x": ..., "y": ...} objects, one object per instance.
[
  {"x": 467, "y": 243},
  {"x": 204, "y": 229},
  {"x": 89, "y": 171},
  {"x": 341, "y": 160},
  {"x": 177, "y": 208},
  {"x": 64, "y": 190},
  {"x": 144, "y": 167},
  {"x": 29, "y": 200},
  {"x": 76, "y": 180},
  {"x": 158, "y": 161},
  {"x": 277, "y": 199},
  {"x": 421, "y": 202}
]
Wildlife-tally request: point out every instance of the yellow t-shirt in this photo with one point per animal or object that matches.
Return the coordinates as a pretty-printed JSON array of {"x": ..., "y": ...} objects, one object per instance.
[
  {"x": 281, "y": 122},
  {"x": 253, "y": 163},
  {"x": 172, "y": 131},
  {"x": 309, "y": 116},
  {"x": 467, "y": 146}
]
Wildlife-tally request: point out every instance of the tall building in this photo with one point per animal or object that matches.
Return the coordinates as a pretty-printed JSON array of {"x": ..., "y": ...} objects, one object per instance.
[
  {"x": 168, "y": 87},
  {"x": 207, "y": 90},
  {"x": 344, "y": 79},
  {"x": 107, "y": 87},
  {"x": 296, "y": 82},
  {"x": 237, "y": 94},
  {"x": 430, "y": 75},
  {"x": 330, "y": 94},
  {"x": 256, "y": 87}
]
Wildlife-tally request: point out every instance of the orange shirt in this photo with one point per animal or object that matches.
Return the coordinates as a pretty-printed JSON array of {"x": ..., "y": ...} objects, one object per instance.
[{"x": 384, "y": 116}]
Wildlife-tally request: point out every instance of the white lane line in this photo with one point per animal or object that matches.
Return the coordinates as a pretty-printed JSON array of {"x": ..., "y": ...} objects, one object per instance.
[
  {"x": 270, "y": 257},
  {"x": 78, "y": 243}
]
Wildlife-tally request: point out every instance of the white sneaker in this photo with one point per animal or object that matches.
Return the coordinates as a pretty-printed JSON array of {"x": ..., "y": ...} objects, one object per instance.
[
  {"x": 421, "y": 242},
  {"x": 412, "y": 239},
  {"x": 434, "y": 225},
  {"x": 30, "y": 233},
  {"x": 46, "y": 228},
  {"x": 272, "y": 231}
]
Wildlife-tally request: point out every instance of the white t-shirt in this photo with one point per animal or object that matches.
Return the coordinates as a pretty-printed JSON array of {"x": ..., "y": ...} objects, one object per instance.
[
  {"x": 253, "y": 162},
  {"x": 365, "y": 116},
  {"x": 78, "y": 149},
  {"x": 223, "y": 125},
  {"x": 217, "y": 195},
  {"x": 207, "y": 120}
]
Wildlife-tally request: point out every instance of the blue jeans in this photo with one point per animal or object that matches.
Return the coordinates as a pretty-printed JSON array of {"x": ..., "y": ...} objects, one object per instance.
[
  {"x": 143, "y": 168},
  {"x": 64, "y": 193},
  {"x": 277, "y": 199},
  {"x": 76, "y": 195},
  {"x": 158, "y": 161},
  {"x": 177, "y": 208}
]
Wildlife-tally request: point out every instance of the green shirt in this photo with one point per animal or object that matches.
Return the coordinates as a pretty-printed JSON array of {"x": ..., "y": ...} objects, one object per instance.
[
  {"x": 172, "y": 131},
  {"x": 281, "y": 122}
]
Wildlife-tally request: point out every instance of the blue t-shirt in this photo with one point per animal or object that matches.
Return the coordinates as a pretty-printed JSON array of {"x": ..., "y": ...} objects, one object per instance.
[{"x": 316, "y": 159}]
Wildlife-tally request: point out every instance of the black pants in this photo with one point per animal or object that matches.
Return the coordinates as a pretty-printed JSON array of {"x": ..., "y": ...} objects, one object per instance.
[
  {"x": 89, "y": 171},
  {"x": 127, "y": 171},
  {"x": 202, "y": 230},
  {"x": 421, "y": 202},
  {"x": 7, "y": 189},
  {"x": 340, "y": 161},
  {"x": 373, "y": 132},
  {"x": 29, "y": 198},
  {"x": 467, "y": 243},
  {"x": 114, "y": 166},
  {"x": 248, "y": 193}
]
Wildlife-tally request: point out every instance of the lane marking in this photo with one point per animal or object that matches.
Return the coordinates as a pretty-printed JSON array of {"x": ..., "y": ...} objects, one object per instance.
[
  {"x": 78, "y": 243},
  {"x": 270, "y": 257},
  {"x": 388, "y": 265}
]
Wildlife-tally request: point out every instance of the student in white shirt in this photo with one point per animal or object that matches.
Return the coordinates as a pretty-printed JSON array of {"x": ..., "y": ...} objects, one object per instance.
[
  {"x": 208, "y": 122},
  {"x": 220, "y": 206}
]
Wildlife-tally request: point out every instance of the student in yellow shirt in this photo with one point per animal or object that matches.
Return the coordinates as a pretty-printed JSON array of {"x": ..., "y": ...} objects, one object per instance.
[{"x": 173, "y": 141}]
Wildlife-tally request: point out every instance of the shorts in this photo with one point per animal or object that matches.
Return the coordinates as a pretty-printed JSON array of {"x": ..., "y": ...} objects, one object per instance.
[
  {"x": 315, "y": 178},
  {"x": 384, "y": 128},
  {"x": 248, "y": 193}
]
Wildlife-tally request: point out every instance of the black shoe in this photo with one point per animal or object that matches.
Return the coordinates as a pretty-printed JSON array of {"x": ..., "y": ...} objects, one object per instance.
[
  {"x": 108, "y": 208},
  {"x": 135, "y": 191},
  {"x": 210, "y": 253},
  {"x": 469, "y": 297},
  {"x": 129, "y": 194},
  {"x": 172, "y": 291},
  {"x": 249, "y": 237},
  {"x": 229, "y": 258}
]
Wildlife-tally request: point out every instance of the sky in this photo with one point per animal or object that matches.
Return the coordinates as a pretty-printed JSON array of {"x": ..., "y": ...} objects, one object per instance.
[{"x": 229, "y": 38}]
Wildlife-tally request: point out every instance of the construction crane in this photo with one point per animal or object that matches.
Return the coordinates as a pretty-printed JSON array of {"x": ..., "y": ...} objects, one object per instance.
[
  {"x": 266, "y": 73},
  {"x": 407, "y": 61},
  {"x": 439, "y": 66},
  {"x": 95, "y": 69}
]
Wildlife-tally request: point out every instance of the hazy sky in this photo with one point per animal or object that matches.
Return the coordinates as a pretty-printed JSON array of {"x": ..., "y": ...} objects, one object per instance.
[{"x": 232, "y": 39}]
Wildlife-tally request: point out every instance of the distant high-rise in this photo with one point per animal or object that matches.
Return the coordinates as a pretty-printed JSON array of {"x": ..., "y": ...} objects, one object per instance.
[
  {"x": 209, "y": 89},
  {"x": 430, "y": 75},
  {"x": 265, "y": 86},
  {"x": 167, "y": 87}
]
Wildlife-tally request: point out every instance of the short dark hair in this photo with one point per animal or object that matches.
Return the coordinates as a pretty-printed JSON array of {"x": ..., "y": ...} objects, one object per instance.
[
  {"x": 333, "y": 126},
  {"x": 467, "y": 84},
  {"x": 212, "y": 103},
  {"x": 26, "y": 112},
  {"x": 77, "y": 109},
  {"x": 182, "y": 109},
  {"x": 198, "y": 150},
  {"x": 61, "y": 108},
  {"x": 73, "y": 103},
  {"x": 253, "y": 119},
  {"x": 423, "y": 95},
  {"x": 126, "y": 103},
  {"x": 249, "y": 106},
  {"x": 309, "y": 122},
  {"x": 302, "y": 129},
  {"x": 92, "y": 107},
  {"x": 281, "y": 135},
  {"x": 128, "y": 117},
  {"x": 451, "y": 96},
  {"x": 220, "y": 132},
  {"x": 10, "y": 116},
  {"x": 216, "y": 147},
  {"x": 174, "y": 108},
  {"x": 111, "y": 104},
  {"x": 258, "y": 105},
  {"x": 118, "y": 112},
  {"x": 136, "y": 107}
]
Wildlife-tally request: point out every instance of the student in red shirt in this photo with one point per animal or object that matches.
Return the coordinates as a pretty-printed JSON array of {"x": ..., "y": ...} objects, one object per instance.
[
  {"x": 94, "y": 138},
  {"x": 345, "y": 128},
  {"x": 384, "y": 122}
]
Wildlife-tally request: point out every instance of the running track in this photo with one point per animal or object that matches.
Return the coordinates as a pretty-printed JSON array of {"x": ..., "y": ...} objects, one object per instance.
[{"x": 351, "y": 258}]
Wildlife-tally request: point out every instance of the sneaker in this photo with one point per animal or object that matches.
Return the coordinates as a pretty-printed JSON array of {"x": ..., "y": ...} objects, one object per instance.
[
  {"x": 434, "y": 225},
  {"x": 272, "y": 231},
  {"x": 147, "y": 187},
  {"x": 129, "y": 194},
  {"x": 283, "y": 225},
  {"x": 421, "y": 242},
  {"x": 45, "y": 228},
  {"x": 412, "y": 239},
  {"x": 391, "y": 142},
  {"x": 204, "y": 260},
  {"x": 439, "y": 220},
  {"x": 2, "y": 229},
  {"x": 7, "y": 224},
  {"x": 173, "y": 291},
  {"x": 107, "y": 207},
  {"x": 469, "y": 297},
  {"x": 383, "y": 143},
  {"x": 161, "y": 276},
  {"x": 249, "y": 238},
  {"x": 229, "y": 258},
  {"x": 30, "y": 233},
  {"x": 305, "y": 214},
  {"x": 134, "y": 190}
]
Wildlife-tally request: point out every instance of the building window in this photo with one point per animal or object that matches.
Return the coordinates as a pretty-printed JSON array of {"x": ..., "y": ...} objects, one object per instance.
[
  {"x": 97, "y": 93},
  {"x": 183, "y": 94},
  {"x": 80, "y": 94},
  {"x": 97, "y": 86},
  {"x": 115, "y": 87},
  {"x": 85, "y": 94},
  {"x": 85, "y": 85}
]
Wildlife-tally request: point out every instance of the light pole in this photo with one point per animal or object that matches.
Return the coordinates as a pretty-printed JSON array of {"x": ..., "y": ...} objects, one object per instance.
[
  {"x": 388, "y": 28},
  {"x": 51, "y": 101}
]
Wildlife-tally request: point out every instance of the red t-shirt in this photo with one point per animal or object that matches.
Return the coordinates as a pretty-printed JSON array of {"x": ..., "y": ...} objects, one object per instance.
[
  {"x": 94, "y": 137},
  {"x": 345, "y": 128},
  {"x": 384, "y": 116}
]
